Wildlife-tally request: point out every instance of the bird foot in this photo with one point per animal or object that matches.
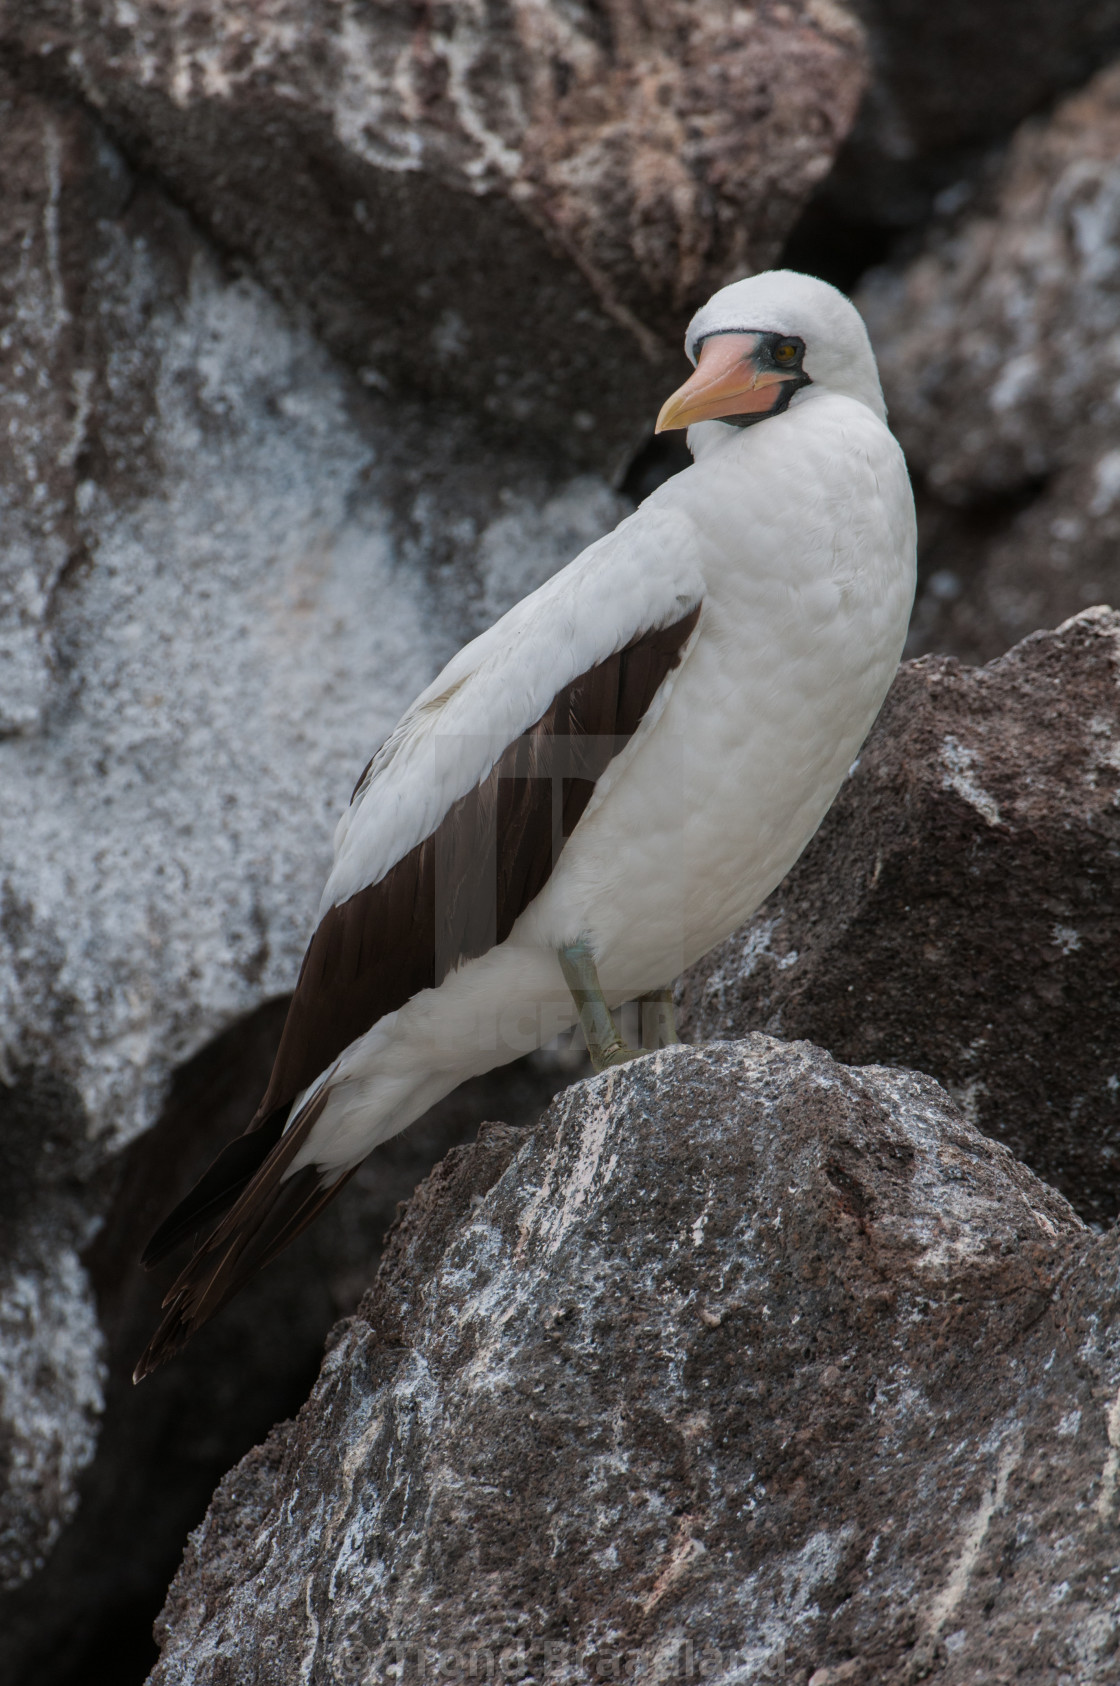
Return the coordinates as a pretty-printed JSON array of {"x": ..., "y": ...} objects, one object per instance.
[
  {"x": 622, "y": 1055},
  {"x": 604, "y": 1043}
]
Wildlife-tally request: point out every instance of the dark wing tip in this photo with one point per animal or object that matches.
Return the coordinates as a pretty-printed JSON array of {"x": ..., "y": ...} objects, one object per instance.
[
  {"x": 218, "y": 1187},
  {"x": 172, "y": 1335},
  {"x": 265, "y": 1220},
  {"x": 271, "y": 1211},
  {"x": 178, "y": 1224}
]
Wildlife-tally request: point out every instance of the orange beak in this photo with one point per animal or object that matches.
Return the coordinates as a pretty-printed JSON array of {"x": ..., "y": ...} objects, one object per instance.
[{"x": 727, "y": 382}]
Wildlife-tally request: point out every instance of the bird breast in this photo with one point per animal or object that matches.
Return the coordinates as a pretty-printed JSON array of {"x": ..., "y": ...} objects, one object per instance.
[{"x": 806, "y": 534}]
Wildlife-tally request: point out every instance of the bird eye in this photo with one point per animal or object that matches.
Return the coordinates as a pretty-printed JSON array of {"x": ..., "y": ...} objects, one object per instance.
[{"x": 785, "y": 352}]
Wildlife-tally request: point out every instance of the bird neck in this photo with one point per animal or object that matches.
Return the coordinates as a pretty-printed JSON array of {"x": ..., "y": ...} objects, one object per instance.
[{"x": 706, "y": 437}]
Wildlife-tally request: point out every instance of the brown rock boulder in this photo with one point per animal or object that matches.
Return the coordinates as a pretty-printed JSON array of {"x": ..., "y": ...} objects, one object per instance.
[
  {"x": 959, "y": 909},
  {"x": 998, "y": 352},
  {"x": 749, "y": 1365},
  {"x": 446, "y": 191}
]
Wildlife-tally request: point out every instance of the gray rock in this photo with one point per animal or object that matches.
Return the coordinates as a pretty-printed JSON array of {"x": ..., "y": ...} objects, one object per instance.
[
  {"x": 748, "y": 1363},
  {"x": 247, "y": 564},
  {"x": 52, "y": 1394},
  {"x": 450, "y": 192},
  {"x": 260, "y": 543},
  {"x": 957, "y": 910},
  {"x": 58, "y": 180},
  {"x": 998, "y": 350}
]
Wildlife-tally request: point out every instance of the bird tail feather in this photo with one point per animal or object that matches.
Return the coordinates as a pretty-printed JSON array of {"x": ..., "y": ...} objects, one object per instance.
[
  {"x": 219, "y": 1186},
  {"x": 271, "y": 1210}
]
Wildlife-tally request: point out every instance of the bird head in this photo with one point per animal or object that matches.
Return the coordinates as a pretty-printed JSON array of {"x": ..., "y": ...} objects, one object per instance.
[{"x": 763, "y": 343}]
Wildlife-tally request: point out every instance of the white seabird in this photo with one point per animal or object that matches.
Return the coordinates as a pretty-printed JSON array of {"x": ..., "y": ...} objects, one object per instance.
[{"x": 602, "y": 786}]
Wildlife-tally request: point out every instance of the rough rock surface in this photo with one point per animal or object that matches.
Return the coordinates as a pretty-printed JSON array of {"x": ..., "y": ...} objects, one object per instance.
[
  {"x": 48, "y": 153},
  {"x": 949, "y": 80},
  {"x": 610, "y": 163},
  {"x": 957, "y": 912},
  {"x": 749, "y": 1365},
  {"x": 998, "y": 347}
]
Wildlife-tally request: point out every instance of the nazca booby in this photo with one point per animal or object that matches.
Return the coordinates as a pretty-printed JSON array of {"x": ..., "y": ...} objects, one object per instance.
[{"x": 602, "y": 786}]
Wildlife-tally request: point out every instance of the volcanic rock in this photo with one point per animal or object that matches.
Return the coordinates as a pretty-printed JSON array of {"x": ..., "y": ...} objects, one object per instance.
[
  {"x": 448, "y": 190},
  {"x": 949, "y": 81},
  {"x": 957, "y": 912},
  {"x": 748, "y": 1365},
  {"x": 998, "y": 348},
  {"x": 153, "y": 1455},
  {"x": 57, "y": 184}
]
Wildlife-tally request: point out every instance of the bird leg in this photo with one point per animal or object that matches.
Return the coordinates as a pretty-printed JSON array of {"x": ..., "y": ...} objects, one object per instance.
[
  {"x": 659, "y": 1021},
  {"x": 604, "y": 1043}
]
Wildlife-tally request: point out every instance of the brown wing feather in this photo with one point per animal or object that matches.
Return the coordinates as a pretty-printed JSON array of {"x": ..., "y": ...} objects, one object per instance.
[{"x": 448, "y": 900}]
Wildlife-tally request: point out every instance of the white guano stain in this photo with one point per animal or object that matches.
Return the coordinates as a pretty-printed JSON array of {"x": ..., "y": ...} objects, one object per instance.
[
  {"x": 700, "y": 1223},
  {"x": 960, "y": 767},
  {"x": 52, "y": 150},
  {"x": 81, "y": 386},
  {"x": 536, "y": 1204},
  {"x": 747, "y": 954},
  {"x": 1106, "y": 1499},
  {"x": 584, "y": 1174},
  {"x": 375, "y": 109},
  {"x": 1104, "y": 750},
  {"x": 356, "y": 1460},
  {"x": 974, "y": 1535},
  {"x": 307, "y": 1662},
  {"x": 181, "y": 82},
  {"x": 1015, "y": 379},
  {"x": 968, "y": 1097},
  {"x": 560, "y": 1198},
  {"x": 460, "y": 51}
]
